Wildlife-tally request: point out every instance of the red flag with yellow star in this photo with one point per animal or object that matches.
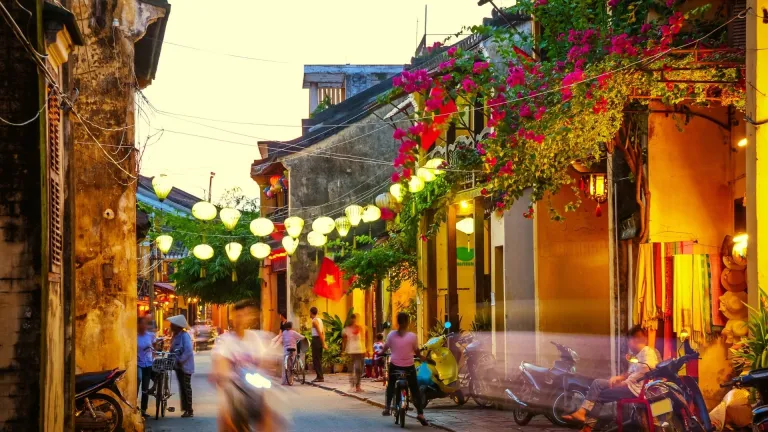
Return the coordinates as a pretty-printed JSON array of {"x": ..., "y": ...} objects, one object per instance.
[{"x": 329, "y": 280}]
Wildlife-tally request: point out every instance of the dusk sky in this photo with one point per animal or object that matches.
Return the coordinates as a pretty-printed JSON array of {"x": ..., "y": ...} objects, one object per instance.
[{"x": 203, "y": 82}]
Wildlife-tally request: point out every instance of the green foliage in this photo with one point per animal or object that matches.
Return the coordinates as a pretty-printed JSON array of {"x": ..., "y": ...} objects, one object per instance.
[
  {"x": 217, "y": 285},
  {"x": 393, "y": 260},
  {"x": 322, "y": 106},
  {"x": 334, "y": 327},
  {"x": 751, "y": 352},
  {"x": 482, "y": 322},
  {"x": 411, "y": 308},
  {"x": 332, "y": 355}
]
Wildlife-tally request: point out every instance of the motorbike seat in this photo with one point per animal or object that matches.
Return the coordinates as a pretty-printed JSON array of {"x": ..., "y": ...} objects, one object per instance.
[
  {"x": 87, "y": 380},
  {"x": 535, "y": 369}
]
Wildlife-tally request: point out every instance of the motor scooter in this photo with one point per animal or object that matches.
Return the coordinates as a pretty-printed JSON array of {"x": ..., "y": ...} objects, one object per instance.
[
  {"x": 551, "y": 392},
  {"x": 95, "y": 410},
  {"x": 438, "y": 376}
]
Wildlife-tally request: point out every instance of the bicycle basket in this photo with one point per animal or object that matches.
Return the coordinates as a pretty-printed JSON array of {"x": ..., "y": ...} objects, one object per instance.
[{"x": 163, "y": 364}]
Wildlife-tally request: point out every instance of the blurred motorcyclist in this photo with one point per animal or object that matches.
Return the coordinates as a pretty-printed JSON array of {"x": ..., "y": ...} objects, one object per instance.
[{"x": 235, "y": 352}]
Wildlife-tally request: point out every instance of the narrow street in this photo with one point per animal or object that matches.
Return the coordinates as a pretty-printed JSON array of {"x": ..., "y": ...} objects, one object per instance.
[{"x": 315, "y": 409}]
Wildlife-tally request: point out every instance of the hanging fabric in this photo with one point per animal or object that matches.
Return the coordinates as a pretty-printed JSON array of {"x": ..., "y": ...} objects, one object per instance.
[{"x": 645, "y": 312}]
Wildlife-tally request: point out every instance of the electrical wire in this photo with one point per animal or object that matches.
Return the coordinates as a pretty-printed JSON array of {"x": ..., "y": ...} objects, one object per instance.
[{"x": 24, "y": 123}]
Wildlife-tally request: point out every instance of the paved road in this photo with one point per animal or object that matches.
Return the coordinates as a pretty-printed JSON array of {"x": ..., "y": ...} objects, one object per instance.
[{"x": 313, "y": 409}]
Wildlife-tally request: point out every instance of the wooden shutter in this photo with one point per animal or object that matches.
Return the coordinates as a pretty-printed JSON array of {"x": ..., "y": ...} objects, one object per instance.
[
  {"x": 55, "y": 198},
  {"x": 737, "y": 29}
]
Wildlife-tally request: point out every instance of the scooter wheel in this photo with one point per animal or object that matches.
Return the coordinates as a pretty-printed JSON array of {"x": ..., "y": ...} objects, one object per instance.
[
  {"x": 521, "y": 417},
  {"x": 458, "y": 398},
  {"x": 424, "y": 399}
]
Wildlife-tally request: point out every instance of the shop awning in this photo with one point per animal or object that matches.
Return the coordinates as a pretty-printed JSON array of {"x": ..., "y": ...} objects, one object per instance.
[{"x": 165, "y": 288}]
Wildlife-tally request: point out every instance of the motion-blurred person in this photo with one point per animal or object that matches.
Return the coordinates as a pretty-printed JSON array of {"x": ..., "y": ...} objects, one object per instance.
[
  {"x": 403, "y": 346},
  {"x": 352, "y": 343},
  {"x": 378, "y": 356},
  {"x": 237, "y": 351},
  {"x": 283, "y": 320},
  {"x": 625, "y": 386},
  {"x": 181, "y": 344},
  {"x": 318, "y": 344},
  {"x": 145, "y": 342}
]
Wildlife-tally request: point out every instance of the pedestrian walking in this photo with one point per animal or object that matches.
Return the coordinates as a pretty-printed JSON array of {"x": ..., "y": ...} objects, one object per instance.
[
  {"x": 181, "y": 344},
  {"x": 145, "y": 342},
  {"x": 318, "y": 344},
  {"x": 352, "y": 343}
]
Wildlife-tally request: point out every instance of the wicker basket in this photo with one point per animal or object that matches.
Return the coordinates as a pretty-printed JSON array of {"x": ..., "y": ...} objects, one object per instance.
[{"x": 163, "y": 364}]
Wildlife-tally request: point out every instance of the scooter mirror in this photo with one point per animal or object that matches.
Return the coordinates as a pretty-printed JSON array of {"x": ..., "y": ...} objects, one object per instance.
[{"x": 448, "y": 325}]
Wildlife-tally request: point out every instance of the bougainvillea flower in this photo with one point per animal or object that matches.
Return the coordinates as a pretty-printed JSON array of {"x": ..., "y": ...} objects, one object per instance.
[
  {"x": 399, "y": 134},
  {"x": 480, "y": 67},
  {"x": 387, "y": 214},
  {"x": 468, "y": 85},
  {"x": 516, "y": 76},
  {"x": 525, "y": 111},
  {"x": 416, "y": 129},
  {"x": 407, "y": 173},
  {"x": 452, "y": 51},
  {"x": 395, "y": 177}
]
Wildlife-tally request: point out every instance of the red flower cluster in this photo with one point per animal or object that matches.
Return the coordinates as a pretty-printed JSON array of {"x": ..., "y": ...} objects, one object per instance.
[
  {"x": 623, "y": 44},
  {"x": 412, "y": 82},
  {"x": 570, "y": 80}
]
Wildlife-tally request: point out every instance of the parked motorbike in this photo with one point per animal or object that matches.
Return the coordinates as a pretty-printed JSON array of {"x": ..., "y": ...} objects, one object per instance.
[
  {"x": 477, "y": 371},
  {"x": 94, "y": 409},
  {"x": 550, "y": 392},
  {"x": 438, "y": 376},
  {"x": 667, "y": 402},
  {"x": 757, "y": 379}
]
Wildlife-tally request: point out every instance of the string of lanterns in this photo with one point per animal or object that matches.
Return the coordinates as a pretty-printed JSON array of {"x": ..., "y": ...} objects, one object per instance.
[{"x": 294, "y": 226}]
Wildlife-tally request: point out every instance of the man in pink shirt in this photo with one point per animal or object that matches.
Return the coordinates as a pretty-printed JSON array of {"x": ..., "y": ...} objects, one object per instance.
[{"x": 403, "y": 346}]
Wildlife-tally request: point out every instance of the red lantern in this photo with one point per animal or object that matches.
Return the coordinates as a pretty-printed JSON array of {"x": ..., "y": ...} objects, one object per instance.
[{"x": 273, "y": 180}]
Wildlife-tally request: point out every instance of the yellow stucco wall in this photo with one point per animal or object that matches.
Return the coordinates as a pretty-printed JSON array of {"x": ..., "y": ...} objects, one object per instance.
[
  {"x": 690, "y": 174},
  {"x": 572, "y": 283}
]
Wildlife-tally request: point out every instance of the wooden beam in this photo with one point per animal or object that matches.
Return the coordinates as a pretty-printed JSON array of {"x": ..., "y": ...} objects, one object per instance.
[
  {"x": 431, "y": 309},
  {"x": 453, "y": 288}
]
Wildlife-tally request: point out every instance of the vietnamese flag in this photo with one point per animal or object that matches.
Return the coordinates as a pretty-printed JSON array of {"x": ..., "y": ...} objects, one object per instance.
[{"x": 329, "y": 280}]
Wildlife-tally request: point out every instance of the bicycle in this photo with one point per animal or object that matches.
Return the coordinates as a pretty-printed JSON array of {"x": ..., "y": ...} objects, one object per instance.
[
  {"x": 162, "y": 367},
  {"x": 297, "y": 368},
  {"x": 402, "y": 397}
]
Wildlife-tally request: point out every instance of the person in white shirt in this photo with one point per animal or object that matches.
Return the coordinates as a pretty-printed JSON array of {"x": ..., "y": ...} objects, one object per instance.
[
  {"x": 352, "y": 343},
  {"x": 318, "y": 344},
  {"x": 624, "y": 386}
]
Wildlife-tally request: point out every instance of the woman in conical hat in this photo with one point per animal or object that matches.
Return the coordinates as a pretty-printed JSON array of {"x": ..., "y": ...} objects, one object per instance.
[{"x": 181, "y": 344}]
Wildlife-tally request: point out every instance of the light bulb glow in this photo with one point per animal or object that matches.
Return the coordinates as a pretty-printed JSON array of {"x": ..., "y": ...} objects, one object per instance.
[
  {"x": 229, "y": 217},
  {"x": 162, "y": 186},
  {"x": 343, "y": 225},
  {"x": 324, "y": 225},
  {"x": 294, "y": 225},
  {"x": 742, "y": 142},
  {"x": 397, "y": 192},
  {"x": 202, "y": 252},
  {"x": 260, "y": 250},
  {"x": 164, "y": 243},
  {"x": 316, "y": 239},
  {"x": 204, "y": 211},
  {"x": 371, "y": 214},
  {"x": 415, "y": 184},
  {"x": 290, "y": 244},
  {"x": 434, "y": 164},
  {"x": 354, "y": 213},
  {"x": 262, "y": 227},
  {"x": 426, "y": 174}
]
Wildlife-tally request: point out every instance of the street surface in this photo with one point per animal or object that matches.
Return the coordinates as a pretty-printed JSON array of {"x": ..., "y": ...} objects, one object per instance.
[{"x": 323, "y": 409}]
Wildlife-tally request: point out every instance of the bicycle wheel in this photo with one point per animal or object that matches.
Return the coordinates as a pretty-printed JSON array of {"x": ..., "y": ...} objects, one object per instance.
[
  {"x": 159, "y": 395},
  {"x": 302, "y": 372},
  {"x": 396, "y": 411},
  {"x": 288, "y": 371},
  {"x": 404, "y": 407}
]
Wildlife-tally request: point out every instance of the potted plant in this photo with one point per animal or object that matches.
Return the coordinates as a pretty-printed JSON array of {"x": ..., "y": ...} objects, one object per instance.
[
  {"x": 338, "y": 363},
  {"x": 331, "y": 356}
]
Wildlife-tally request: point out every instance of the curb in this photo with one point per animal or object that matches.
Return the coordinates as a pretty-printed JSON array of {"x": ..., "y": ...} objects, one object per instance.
[{"x": 370, "y": 401}]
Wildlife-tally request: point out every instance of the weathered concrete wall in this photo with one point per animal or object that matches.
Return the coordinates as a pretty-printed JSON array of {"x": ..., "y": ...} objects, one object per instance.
[
  {"x": 105, "y": 244},
  {"x": 21, "y": 227},
  {"x": 331, "y": 184}
]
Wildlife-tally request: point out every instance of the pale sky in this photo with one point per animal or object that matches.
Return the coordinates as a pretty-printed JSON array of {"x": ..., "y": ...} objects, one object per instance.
[{"x": 200, "y": 82}]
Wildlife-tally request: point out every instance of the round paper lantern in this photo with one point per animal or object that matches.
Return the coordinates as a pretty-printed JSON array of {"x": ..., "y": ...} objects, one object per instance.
[
  {"x": 229, "y": 217},
  {"x": 354, "y": 213},
  {"x": 415, "y": 184},
  {"x": 164, "y": 243},
  {"x": 233, "y": 251},
  {"x": 467, "y": 226},
  {"x": 262, "y": 227},
  {"x": 162, "y": 186},
  {"x": 290, "y": 244},
  {"x": 294, "y": 225},
  {"x": 426, "y": 174},
  {"x": 260, "y": 250},
  {"x": 316, "y": 239},
  {"x": 204, "y": 211},
  {"x": 397, "y": 192},
  {"x": 324, "y": 225},
  {"x": 371, "y": 214},
  {"x": 434, "y": 165},
  {"x": 274, "y": 180},
  {"x": 385, "y": 200},
  {"x": 343, "y": 225},
  {"x": 202, "y": 252}
]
